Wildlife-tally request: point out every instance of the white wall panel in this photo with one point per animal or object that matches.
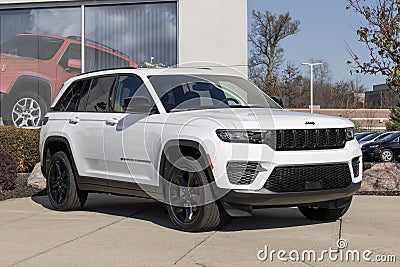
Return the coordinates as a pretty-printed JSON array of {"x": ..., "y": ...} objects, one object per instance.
[{"x": 214, "y": 31}]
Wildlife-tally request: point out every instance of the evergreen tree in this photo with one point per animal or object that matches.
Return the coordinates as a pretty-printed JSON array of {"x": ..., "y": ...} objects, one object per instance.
[{"x": 394, "y": 119}]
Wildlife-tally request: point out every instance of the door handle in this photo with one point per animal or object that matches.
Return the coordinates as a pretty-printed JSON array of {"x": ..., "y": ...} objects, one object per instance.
[
  {"x": 112, "y": 122},
  {"x": 74, "y": 120}
]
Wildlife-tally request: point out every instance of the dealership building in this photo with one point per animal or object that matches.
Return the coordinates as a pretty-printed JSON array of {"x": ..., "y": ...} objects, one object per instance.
[{"x": 43, "y": 43}]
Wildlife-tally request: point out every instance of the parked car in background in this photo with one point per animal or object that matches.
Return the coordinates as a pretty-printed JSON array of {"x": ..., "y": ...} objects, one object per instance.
[
  {"x": 34, "y": 68},
  {"x": 386, "y": 149},
  {"x": 358, "y": 136},
  {"x": 373, "y": 137}
]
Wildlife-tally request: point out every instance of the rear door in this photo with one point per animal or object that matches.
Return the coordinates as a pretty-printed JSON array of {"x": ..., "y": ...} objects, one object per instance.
[{"x": 86, "y": 127}]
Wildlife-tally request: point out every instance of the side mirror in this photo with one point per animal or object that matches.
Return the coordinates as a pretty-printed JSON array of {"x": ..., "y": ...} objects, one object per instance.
[
  {"x": 74, "y": 63},
  {"x": 278, "y": 100},
  {"x": 138, "y": 104}
]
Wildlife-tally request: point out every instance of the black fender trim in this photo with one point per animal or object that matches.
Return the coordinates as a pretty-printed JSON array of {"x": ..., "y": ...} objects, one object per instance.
[
  {"x": 186, "y": 143},
  {"x": 43, "y": 86},
  {"x": 64, "y": 141}
]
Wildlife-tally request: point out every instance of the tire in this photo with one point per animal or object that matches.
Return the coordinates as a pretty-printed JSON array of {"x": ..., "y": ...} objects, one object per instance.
[
  {"x": 324, "y": 214},
  {"x": 386, "y": 155},
  {"x": 25, "y": 110},
  {"x": 190, "y": 217},
  {"x": 62, "y": 191}
]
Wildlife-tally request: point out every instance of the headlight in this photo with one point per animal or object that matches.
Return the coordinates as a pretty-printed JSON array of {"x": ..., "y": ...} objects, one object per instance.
[
  {"x": 246, "y": 136},
  {"x": 349, "y": 134},
  {"x": 373, "y": 146}
]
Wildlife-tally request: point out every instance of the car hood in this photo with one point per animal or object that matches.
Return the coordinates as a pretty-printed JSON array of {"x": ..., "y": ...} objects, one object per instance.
[
  {"x": 259, "y": 118},
  {"x": 11, "y": 63}
]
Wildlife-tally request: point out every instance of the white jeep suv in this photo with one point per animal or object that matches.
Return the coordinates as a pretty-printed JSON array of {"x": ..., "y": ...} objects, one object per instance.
[{"x": 205, "y": 143}]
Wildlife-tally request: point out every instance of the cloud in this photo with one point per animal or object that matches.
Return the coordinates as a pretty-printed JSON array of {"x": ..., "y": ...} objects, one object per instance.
[
  {"x": 58, "y": 21},
  {"x": 141, "y": 31}
]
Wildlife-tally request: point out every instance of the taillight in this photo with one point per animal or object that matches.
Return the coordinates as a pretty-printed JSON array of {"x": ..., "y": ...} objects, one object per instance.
[{"x": 45, "y": 120}]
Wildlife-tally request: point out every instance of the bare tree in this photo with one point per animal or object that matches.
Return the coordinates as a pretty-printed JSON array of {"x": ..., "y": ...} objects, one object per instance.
[
  {"x": 322, "y": 73},
  {"x": 369, "y": 115},
  {"x": 380, "y": 33},
  {"x": 267, "y": 31},
  {"x": 356, "y": 86},
  {"x": 292, "y": 87}
]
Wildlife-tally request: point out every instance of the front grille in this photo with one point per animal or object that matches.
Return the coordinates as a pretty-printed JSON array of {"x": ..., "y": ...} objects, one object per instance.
[
  {"x": 310, "y": 139},
  {"x": 308, "y": 178},
  {"x": 242, "y": 173}
]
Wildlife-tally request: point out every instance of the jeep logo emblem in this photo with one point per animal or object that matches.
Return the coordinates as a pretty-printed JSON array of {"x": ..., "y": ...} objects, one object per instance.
[{"x": 310, "y": 123}]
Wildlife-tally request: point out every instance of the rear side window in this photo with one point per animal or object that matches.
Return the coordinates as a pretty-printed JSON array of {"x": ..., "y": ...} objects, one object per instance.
[
  {"x": 69, "y": 101},
  {"x": 99, "y": 94},
  {"x": 84, "y": 96}
]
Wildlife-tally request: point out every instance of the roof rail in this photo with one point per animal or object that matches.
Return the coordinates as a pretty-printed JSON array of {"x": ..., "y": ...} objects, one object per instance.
[
  {"x": 78, "y": 38},
  {"x": 117, "y": 68}
]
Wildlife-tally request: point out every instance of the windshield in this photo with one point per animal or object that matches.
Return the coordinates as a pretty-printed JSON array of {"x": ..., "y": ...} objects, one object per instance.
[
  {"x": 382, "y": 136},
  {"x": 390, "y": 137},
  {"x": 358, "y": 136},
  {"x": 187, "y": 92},
  {"x": 31, "y": 46},
  {"x": 370, "y": 137}
]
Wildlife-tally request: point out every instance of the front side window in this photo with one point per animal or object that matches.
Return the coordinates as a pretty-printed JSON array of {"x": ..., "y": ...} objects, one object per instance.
[
  {"x": 131, "y": 96},
  {"x": 99, "y": 94},
  {"x": 187, "y": 92}
]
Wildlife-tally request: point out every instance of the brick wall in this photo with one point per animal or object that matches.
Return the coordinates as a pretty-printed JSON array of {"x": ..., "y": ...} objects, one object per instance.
[{"x": 364, "y": 119}]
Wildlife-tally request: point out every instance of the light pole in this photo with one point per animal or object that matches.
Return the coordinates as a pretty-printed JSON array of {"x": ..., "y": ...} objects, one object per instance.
[{"x": 311, "y": 83}]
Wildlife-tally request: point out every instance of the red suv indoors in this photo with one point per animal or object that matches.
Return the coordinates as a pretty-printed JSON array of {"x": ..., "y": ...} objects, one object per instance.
[{"x": 34, "y": 67}]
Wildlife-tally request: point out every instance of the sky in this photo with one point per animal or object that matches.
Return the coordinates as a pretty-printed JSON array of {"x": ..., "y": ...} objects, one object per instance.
[{"x": 325, "y": 28}]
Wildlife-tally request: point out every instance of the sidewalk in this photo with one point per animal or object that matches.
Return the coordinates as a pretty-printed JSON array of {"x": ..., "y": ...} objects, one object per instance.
[{"x": 124, "y": 231}]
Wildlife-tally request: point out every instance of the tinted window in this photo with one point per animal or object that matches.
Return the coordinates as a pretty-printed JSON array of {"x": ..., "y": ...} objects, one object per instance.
[
  {"x": 99, "y": 94},
  {"x": 132, "y": 96},
  {"x": 383, "y": 136},
  {"x": 84, "y": 95},
  {"x": 361, "y": 135},
  {"x": 370, "y": 137},
  {"x": 37, "y": 47},
  {"x": 70, "y": 99},
  {"x": 390, "y": 137}
]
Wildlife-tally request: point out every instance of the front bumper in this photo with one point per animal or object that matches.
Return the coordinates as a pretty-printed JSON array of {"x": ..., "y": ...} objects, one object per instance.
[
  {"x": 370, "y": 154},
  {"x": 268, "y": 160},
  {"x": 265, "y": 197}
]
